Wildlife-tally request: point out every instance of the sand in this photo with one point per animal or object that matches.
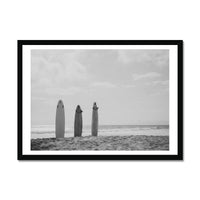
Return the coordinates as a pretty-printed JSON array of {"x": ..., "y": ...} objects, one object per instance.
[{"x": 133, "y": 142}]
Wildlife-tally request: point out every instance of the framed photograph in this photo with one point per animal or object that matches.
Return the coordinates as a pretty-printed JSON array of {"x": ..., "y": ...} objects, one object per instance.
[{"x": 100, "y": 100}]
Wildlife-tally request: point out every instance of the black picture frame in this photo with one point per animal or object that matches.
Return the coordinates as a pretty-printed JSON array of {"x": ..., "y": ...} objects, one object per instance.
[{"x": 22, "y": 43}]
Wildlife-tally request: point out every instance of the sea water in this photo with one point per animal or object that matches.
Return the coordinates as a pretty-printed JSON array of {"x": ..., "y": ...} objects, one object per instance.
[{"x": 48, "y": 131}]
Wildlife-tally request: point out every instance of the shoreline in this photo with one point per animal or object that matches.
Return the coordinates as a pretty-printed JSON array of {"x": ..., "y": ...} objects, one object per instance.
[{"x": 131, "y": 142}]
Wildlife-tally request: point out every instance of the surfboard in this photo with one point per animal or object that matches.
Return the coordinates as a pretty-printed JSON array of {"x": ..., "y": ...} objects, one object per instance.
[
  {"x": 78, "y": 123},
  {"x": 95, "y": 120},
  {"x": 60, "y": 120}
]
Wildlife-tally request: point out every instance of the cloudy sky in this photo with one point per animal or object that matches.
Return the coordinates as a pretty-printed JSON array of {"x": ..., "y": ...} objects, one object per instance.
[{"x": 129, "y": 86}]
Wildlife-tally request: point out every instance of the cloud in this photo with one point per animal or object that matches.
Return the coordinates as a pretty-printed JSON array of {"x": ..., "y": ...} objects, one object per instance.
[
  {"x": 155, "y": 57},
  {"x": 149, "y": 75},
  {"x": 160, "y": 83},
  {"x": 103, "y": 84},
  {"x": 55, "y": 68},
  {"x": 129, "y": 86},
  {"x": 33, "y": 98},
  {"x": 59, "y": 91},
  {"x": 124, "y": 57},
  {"x": 164, "y": 83},
  {"x": 75, "y": 71},
  {"x": 163, "y": 91},
  {"x": 135, "y": 55}
]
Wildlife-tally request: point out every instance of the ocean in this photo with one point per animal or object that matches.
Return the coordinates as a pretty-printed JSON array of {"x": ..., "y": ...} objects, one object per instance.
[{"x": 48, "y": 131}]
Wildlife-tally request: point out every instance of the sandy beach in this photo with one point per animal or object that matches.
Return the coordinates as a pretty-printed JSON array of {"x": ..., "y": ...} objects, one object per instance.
[{"x": 133, "y": 142}]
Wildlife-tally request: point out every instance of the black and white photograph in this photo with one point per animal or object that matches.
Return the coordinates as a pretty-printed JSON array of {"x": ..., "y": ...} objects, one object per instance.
[{"x": 100, "y": 100}]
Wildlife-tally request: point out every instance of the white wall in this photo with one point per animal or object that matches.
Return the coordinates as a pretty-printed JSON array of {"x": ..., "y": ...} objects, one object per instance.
[{"x": 103, "y": 19}]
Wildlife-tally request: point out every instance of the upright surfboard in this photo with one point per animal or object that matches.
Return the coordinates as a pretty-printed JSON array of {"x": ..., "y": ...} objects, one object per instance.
[
  {"x": 95, "y": 120},
  {"x": 78, "y": 123},
  {"x": 60, "y": 120}
]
